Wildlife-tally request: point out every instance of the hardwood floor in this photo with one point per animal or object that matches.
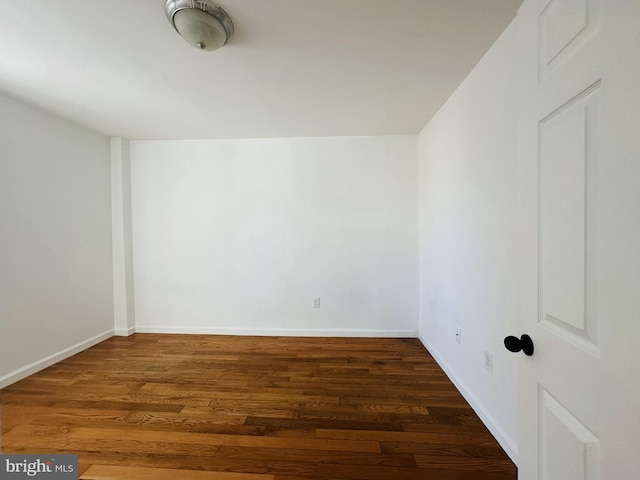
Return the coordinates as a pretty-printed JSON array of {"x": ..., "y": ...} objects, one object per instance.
[{"x": 198, "y": 407}]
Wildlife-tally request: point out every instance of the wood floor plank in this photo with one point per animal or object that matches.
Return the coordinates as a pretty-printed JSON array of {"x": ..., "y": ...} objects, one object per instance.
[
  {"x": 328, "y": 421},
  {"x": 328, "y": 471},
  {"x": 472, "y": 464},
  {"x": 133, "y": 459},
  {"x": 202, "y": 407},
  {"x": 250, "y": 464},
  {"x": 385, "y": 437},
  {"x": 108, "y": 434},
  {"x": 316, "y": 456},
  {"x": 111, "y": 472}
]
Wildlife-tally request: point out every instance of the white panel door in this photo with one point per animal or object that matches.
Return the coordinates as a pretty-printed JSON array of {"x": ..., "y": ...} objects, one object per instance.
[{"x": 579, "y": 204}]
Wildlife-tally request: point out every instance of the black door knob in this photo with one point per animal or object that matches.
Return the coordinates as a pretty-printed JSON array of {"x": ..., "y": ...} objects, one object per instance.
[{"x": 515, "y": 344}]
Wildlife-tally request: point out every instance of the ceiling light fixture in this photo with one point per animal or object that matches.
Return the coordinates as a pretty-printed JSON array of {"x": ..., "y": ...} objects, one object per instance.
[{"x": 202, "y": 23}]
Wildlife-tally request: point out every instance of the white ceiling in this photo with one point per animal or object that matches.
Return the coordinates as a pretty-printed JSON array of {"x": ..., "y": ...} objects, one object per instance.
[{"x": 294, "y": 68}]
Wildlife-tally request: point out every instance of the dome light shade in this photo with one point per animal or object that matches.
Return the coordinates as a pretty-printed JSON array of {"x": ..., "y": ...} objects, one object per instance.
[{"x": 203, "y": 24}]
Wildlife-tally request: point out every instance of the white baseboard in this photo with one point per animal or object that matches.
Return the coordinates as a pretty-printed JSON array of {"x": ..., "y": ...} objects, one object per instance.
[
  {"x": 278, "y": 332},
  {"x": 121, "y": 332},
  {"x": 38, "y": 365},
  {"x": 496, "y": 430}
]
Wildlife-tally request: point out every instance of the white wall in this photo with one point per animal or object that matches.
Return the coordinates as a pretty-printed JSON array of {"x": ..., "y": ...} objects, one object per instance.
[
  {"x": 123, "y": 294},
  {"x": 468, "y": 203},
  {"x": 238, "y": 236},
  {"x": 55, "y": 239}
]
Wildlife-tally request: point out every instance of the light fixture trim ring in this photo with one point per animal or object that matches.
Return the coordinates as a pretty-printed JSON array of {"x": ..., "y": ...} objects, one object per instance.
[{"x": 171, "y": 7}]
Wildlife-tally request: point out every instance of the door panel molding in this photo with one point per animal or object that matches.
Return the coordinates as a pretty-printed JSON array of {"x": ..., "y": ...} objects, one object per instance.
[
  {"x": 569, "y": 450},
  {"x": 567, "y": 267},
  {"x": 564, "y": 27}
]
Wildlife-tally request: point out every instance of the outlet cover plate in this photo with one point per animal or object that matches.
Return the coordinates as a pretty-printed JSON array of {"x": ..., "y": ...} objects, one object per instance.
[{"x": 488, "y": 361}]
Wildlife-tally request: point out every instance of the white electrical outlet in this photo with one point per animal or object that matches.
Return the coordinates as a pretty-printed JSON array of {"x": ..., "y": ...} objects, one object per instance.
[
  {"x": 316, "y": 302},
  {"x": 458, "y": 334},
  {"x": 488, "y": 361}
]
